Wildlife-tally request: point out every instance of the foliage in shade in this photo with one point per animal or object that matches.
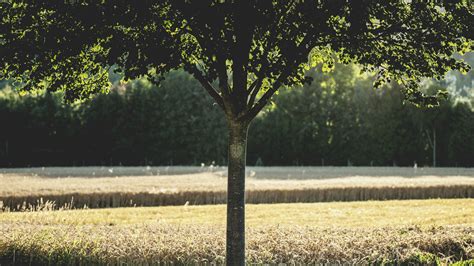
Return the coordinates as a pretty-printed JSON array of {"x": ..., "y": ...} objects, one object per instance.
[{"x": 69, "y": 45}]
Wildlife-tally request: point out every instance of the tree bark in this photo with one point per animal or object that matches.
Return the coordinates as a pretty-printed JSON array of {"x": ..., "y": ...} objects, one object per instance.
[
  {"x": 434, "y": 147},
  {"x": 237, "y": 153}
]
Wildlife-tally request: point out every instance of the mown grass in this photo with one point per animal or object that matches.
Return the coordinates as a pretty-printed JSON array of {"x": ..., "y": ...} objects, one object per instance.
[
  {"x": 412, "y": 231},
  {"x": 210, "y": 188}
]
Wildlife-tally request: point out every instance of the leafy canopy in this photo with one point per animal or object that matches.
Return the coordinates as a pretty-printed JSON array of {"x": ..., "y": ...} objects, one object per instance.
[{"x": 240, "y": 51}]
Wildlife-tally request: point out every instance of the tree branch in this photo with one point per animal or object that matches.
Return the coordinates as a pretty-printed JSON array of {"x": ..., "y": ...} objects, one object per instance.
[
  {"x": 256, "y": 85},
  {"x": 253, "y": 91},
  {"x": 223, "y": 78},
  {"x": 255, "y": 109},
  {"x": 207, "y": 86},
  {"x": 429, "y": 138},
  {"x": 244, "y": 33},
  {"x": 261, "y": 102},
  {"x": 276, "y": 85}
]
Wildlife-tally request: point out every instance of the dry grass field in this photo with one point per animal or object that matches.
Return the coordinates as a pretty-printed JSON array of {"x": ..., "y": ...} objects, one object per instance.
[
  {"x": 340, "y": 214},
  {"x": 371, "y": 232},
  {"x": 154, "y": 186},
  {"x": 356, "y": 231}
]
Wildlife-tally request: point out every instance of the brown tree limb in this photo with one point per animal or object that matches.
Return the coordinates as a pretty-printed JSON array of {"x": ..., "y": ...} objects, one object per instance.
[
  {"x": 253, "y": 91},
  {"x": 207, "y": 86},
  {"x": 223, "y": 78}
]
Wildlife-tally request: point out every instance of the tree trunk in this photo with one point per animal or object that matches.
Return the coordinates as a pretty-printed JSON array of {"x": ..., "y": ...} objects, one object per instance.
[
  {"x": 434, "y": 147},
  {"x": 237, "y": 152}
]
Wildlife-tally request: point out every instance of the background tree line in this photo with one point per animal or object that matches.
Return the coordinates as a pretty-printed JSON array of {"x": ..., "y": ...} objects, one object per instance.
[{"x": 338, "y": 119}]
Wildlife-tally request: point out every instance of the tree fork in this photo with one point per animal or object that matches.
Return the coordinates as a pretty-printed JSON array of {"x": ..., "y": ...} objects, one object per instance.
[{"x": 237, "y": 153}]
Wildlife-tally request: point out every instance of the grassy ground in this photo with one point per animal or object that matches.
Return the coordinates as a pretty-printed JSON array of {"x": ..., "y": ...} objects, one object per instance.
[
  {"x": 210, "y": 187},
  {"x": 411, "y": 231},
  {"x": 340, "y": 214}
]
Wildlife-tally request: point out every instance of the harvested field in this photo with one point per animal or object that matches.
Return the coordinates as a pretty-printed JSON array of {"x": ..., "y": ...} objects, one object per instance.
[
  {"x": 340, "y": 214},
  {"x": 262, "y": 172},
  {"x": 21, "y": 189},
  {"x": 412, "y": 231}
]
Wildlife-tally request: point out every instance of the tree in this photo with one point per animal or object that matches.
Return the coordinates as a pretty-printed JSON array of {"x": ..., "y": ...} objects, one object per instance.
[
  {"x": 461, "y": 144},
  {"x": 241, "y": 52}
]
